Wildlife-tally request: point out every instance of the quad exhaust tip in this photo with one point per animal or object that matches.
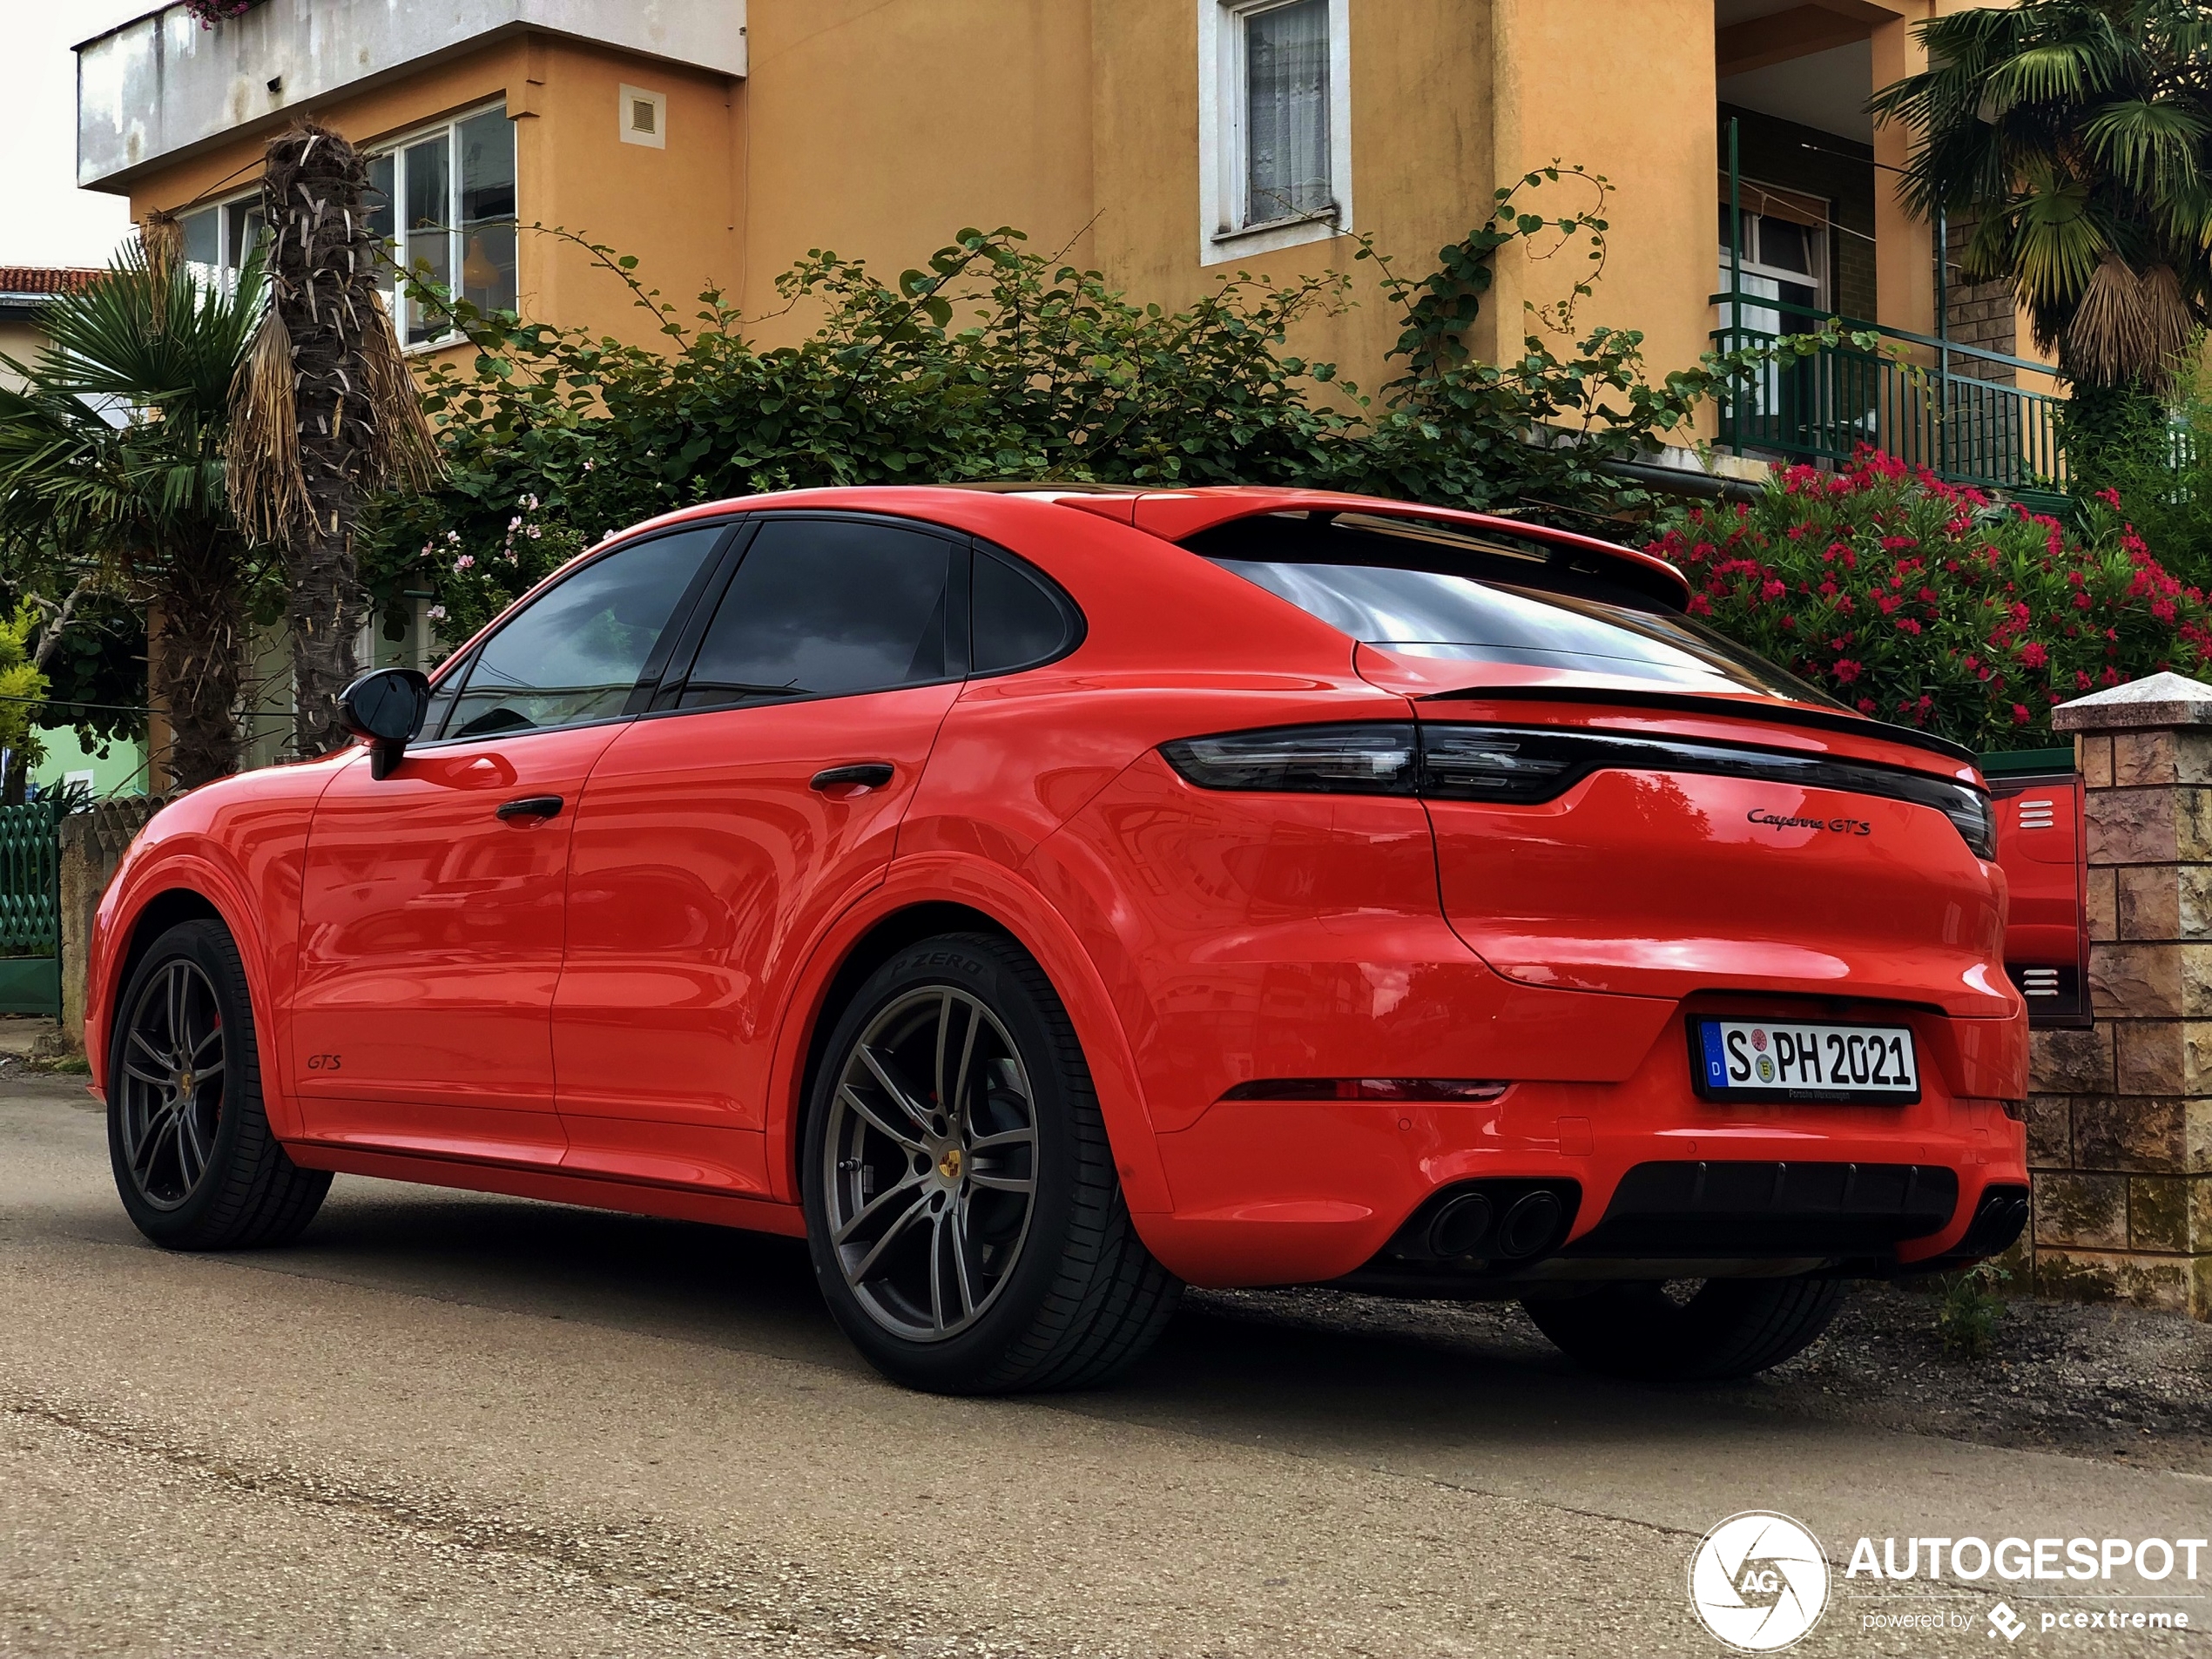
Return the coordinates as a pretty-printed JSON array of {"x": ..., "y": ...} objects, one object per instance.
[{"x": 1498, "y": 1221}]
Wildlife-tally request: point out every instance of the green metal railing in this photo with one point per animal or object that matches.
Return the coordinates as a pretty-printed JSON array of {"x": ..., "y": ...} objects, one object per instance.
[
  {"x": 1929, "y": 401},
  {"x": 1960, "y": 411},
  {"x": 31, "y": 915}
]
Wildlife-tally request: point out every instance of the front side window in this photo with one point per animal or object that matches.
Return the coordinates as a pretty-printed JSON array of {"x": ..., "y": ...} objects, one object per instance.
[
  {"x": 825, "y": 607},
  {"x": 445, "y": 203},
  {"x": 577, "y": 652}
]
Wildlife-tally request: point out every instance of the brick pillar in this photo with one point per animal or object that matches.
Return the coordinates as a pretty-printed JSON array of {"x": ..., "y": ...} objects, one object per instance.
[{"x": 2120, "y": 1132}]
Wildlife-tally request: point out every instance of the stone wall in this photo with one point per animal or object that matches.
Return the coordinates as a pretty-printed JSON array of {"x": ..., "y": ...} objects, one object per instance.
[
  {"x": 93, "y": 845},
  {"x": 2120, "y": 1121}
]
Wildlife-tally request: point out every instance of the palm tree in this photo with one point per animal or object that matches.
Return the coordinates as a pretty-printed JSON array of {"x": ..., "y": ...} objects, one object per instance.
[
  {"x": 325, "y": 414},
  {"x": 111, "y": 460},
  {"x": 2079, "y": 133}
]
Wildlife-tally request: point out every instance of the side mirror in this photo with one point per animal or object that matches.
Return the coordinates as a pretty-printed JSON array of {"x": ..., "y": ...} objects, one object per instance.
[{"x": 386, "y": 707}]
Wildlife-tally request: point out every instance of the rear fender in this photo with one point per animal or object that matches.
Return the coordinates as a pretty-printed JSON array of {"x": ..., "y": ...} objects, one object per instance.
[{"x": 989, "y": 888}]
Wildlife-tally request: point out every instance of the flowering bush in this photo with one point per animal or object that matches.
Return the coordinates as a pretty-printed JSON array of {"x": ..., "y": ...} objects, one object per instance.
[
  {"x": 1919, "y": 602},
  {"x": 475, "y": 586}
]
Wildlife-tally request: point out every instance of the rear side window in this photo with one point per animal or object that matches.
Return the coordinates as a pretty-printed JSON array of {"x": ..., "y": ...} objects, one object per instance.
[
  {"x": 575, "y": 653},
  {"x": 1018, "y": 620},
  {"x": 825, "y": 607},
  {"x": 1414, "y": 597}
]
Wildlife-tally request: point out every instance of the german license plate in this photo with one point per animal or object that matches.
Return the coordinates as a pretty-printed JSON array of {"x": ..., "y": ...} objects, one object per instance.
[{"x": 1798, "y": 1060}]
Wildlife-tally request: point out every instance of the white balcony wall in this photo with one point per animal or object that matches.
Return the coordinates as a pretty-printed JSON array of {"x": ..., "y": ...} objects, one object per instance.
[{"x": 161, "y": 84}]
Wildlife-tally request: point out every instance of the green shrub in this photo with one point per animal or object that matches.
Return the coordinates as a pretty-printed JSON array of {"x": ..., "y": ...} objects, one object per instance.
[
  {"x": 1920, "y": 602},
  {"x": 994, "y": 363},
  {"x": 2164, "y": 478}
]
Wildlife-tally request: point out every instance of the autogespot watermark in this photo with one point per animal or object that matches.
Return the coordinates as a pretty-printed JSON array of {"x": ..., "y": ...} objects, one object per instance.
[
  {"x": 1760, "y": 1583},
  {"x": 1759, "y": 1580}
]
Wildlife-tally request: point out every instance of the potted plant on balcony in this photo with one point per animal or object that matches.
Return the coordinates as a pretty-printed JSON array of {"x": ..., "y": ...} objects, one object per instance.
[{"x": 210, "y": 12}]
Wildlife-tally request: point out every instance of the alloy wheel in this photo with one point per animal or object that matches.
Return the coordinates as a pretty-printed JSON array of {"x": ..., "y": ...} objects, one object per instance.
[
  {"x": 931, "y": 1161},
  {"x": 171, "y": 1083}
]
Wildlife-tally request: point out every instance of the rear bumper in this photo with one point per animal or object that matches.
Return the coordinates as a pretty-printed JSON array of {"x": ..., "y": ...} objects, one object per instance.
[{"x": 1292, "y": 1192}]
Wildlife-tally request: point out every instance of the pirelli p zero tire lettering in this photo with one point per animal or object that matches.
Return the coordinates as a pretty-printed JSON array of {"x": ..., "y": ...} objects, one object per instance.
[
  {"x": 195, "y": 1160},
  {"x": 963, "y": 1214},
  {"x": 1723, "y": 1329}
]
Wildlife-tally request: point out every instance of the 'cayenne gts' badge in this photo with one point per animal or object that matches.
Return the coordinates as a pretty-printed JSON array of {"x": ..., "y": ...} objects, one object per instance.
[{"x": 1838, "y": 826}]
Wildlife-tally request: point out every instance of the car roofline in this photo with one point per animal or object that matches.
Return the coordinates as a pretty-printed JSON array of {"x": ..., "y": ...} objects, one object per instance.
[{"x": 1175, "y": 516}]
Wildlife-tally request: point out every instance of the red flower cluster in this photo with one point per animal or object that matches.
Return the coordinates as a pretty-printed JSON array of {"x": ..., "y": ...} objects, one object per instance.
[{"x": 1921, "y": 601}]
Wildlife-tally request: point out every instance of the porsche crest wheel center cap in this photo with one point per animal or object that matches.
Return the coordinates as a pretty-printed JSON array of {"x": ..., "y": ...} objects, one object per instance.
[{"x": 949, "y": 1165}]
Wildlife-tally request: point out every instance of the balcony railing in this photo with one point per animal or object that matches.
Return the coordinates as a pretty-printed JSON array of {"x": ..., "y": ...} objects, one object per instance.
[{"x": 1960, "y": 411}]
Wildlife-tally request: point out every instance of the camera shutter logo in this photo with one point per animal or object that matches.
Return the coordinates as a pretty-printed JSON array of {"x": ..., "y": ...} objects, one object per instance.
[{"x": 1759, "y": 1581}]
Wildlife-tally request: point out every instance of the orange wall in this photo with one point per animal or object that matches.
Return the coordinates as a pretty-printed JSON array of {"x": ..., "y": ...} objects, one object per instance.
[
  {"x": 675, "y": 208},
  {"x": 1627, "y": 91},
  {"x": 1422, "y": 145},
  {"x": 880, "y": 127}
]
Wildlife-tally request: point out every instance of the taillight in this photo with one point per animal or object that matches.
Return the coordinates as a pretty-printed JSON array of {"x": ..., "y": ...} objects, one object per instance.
[
  {"x": 1372, "y": 757},
  {"x": 1441, "y": 761},
  {"x": 1976, "y": 819}
]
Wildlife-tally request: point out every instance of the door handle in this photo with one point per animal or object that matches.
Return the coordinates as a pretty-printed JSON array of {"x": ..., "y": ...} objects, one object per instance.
[
  {"x": 868, "y": 774},
  {"x": 530, "y": 806}
]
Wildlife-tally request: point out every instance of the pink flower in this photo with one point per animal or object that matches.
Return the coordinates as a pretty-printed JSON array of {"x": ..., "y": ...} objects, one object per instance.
[
  {"x": 463, "y": 562},
  {"x": 1846, "y": 671},
  {"x": 2033, "y": 655},
  {"x": 2021, "y": 715}
]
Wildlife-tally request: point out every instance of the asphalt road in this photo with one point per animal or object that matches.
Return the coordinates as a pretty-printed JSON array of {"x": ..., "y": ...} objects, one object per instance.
[{"x": 447, "y": 1424}]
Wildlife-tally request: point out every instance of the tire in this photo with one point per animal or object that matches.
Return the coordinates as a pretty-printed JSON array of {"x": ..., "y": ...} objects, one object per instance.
[
  {"x": 1730, "y": 1328},
  {"x": 987, "y": 1249},
  {"x": 208, "y": 1175}
]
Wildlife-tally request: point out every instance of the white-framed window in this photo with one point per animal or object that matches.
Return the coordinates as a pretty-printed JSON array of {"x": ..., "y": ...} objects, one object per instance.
[
  {"x": 444, "y": 199},
  {"x": 218, "y": 237},
  {"x": 1274, "y": 124}
]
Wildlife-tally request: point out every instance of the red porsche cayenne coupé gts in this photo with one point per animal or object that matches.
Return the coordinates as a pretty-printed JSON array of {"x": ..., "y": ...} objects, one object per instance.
[{"x": 1039, "y": 898}]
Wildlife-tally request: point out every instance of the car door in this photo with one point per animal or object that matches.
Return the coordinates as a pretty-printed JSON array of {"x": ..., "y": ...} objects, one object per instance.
[
  {"x": 432, "y": 908},
  {"x": 720, "y": 831}
]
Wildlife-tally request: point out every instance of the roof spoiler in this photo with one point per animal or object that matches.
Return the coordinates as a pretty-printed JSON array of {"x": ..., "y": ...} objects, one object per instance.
[{"x": 1175, "y": 516}]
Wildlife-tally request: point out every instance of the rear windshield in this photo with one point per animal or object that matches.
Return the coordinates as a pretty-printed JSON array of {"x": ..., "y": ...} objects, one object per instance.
[{"x": 1404, "y": 595}]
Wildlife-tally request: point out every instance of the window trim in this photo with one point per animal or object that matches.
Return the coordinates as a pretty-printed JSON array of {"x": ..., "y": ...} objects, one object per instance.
[
  {"x": 712, "y": 571},
  {"x": 666, "y": 697},
  {"x": 393, "y": 146},
  {"x": 1222, "y": 171}
]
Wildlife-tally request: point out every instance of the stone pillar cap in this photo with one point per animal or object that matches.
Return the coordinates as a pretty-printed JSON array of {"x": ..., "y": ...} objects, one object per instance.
[{"x": 2158, "y": 700}]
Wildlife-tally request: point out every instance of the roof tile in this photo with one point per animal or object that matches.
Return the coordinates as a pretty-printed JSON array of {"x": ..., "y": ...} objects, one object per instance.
[{"x": 46, "y": 279}]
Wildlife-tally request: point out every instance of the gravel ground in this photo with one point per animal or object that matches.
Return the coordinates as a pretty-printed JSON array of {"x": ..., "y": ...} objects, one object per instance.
[{"x": 2101, "y": 1381}]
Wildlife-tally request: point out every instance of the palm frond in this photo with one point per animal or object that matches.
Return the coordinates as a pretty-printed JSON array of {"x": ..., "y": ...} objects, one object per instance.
[
  {"x": 2057, "y": 243},
  {"x": 406, "y": 454},
  {"x": 2128, "y": 326},
  {"x": 2150, "y": 147},
  {"x": 261, "y": 453}
]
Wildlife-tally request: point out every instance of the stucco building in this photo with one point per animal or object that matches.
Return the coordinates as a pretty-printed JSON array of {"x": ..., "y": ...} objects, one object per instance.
[{"x": 1168, "y": 142}]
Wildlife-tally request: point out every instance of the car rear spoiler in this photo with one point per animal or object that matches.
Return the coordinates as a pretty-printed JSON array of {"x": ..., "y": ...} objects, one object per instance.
[{"x": 1179, "y": 514}]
